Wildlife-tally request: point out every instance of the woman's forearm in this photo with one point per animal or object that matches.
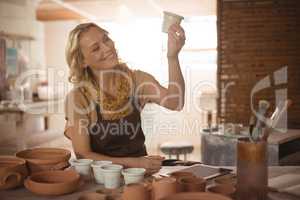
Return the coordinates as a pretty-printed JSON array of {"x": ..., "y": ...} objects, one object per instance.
[
  {"x": 176, "y": 87},
  {"x": 125, "y": 161}
]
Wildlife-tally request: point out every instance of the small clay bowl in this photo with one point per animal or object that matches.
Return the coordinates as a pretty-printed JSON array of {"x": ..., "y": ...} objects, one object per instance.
[
  {"x": 178, "y": 175},
  {"x": 43, "y": 159},
  {"x": 224, "y": 189},
  {"x": 226, "y": 179},
  {"x": 56, "y": 182},
  {"x": 13, "y": 171},
  {"x": 196, "y": 196},
  {"x": 192, "y": 184}
]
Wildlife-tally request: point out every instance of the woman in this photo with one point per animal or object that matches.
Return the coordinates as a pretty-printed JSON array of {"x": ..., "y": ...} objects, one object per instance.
[{"x": 103, "y": 109}]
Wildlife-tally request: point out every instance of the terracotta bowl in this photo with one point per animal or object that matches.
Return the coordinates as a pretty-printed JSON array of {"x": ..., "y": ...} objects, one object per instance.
[
  {"x": 178, "y": 175},
  {"x": 192, "y": 184},
  {"x": 13, "y": 171},
  {"x": 56, "y": 182},
  {"x": 196, "y": 196},
  {"x": 226, "y": 179},
  {"x": 224, "y": 189},
  {"x": 43, "y": 159}
]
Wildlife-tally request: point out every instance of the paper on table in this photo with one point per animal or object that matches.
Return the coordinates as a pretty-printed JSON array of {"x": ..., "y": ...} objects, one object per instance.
[{"x": 289, "y": 183}]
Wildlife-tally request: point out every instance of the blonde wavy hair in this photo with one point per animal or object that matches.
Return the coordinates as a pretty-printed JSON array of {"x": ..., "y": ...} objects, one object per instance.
[
  {"x": 78, "y": 74},
  {"x": 74, "y": 55}
]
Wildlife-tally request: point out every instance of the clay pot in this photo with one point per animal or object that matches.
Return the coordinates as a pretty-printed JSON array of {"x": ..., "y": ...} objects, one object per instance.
[
  {"x": 136, "y": 191},
  {"x": 192, "y": 184},
  {"x": 178, "y": 175},
  {"x": 196, "y": 196},
  {"x": 56, "y": 182},
  {"x": 43, "y": 159},
  {"x": 224, "y": 189},
  {"x": 13, "y": 171},
  {"x": 163, "y": 187}
]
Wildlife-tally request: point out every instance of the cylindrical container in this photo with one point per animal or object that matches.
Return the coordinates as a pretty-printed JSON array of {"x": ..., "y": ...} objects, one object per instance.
[
  {"x": 252, "y": 170},
  {"x": 170, "y": 19},
  {"x": 112, "y": 176},
  {"x": 133, "y": 175},
  {"x": 97, "y": 171},
  {"x": 83, "y": 167}
]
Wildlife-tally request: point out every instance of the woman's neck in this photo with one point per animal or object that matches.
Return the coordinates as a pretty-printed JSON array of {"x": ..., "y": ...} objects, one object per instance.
[{"x": 104, "y": 78}]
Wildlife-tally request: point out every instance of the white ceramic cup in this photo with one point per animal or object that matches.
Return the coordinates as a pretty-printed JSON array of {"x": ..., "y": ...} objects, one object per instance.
[
  {"x": 169, "y": 19},
  {"x": 112, "y": 176},
  {"x": 97, "y": 171},
  {"x": 133, "y": 175},
  {"x": 83, "y": 167}
]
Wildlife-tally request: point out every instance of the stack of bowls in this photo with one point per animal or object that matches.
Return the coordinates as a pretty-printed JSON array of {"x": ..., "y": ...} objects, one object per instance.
[
  {"x": 43, "y": 159},
  {"x": 13, "y": 171}
]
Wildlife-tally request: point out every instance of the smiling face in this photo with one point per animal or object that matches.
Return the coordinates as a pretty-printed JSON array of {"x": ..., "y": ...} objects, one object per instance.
[{"x": 98, "y": 49}]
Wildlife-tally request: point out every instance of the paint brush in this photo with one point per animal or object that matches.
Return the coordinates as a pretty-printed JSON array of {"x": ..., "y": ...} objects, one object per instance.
[
  {"x": 263, "y": 106},
  {"x": 251, "y": 126}
]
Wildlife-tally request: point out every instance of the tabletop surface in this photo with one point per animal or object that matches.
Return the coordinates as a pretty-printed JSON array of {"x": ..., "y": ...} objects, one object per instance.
[{"x": 22, "y": 193}]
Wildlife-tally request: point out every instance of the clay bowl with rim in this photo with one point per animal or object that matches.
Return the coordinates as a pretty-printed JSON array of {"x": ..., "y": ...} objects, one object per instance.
[
  {"x": 13, "y": 171},
  {"x": 178, "y": 175},
  {"x": 54, "y": 182},
  {"x": 192, "y": 184},
  {"x": 42, "y": 159},
  {"x": 226, "y": 179},
  {"x": 223, "y": 189},
  {"x": 196, "y": 196}
]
